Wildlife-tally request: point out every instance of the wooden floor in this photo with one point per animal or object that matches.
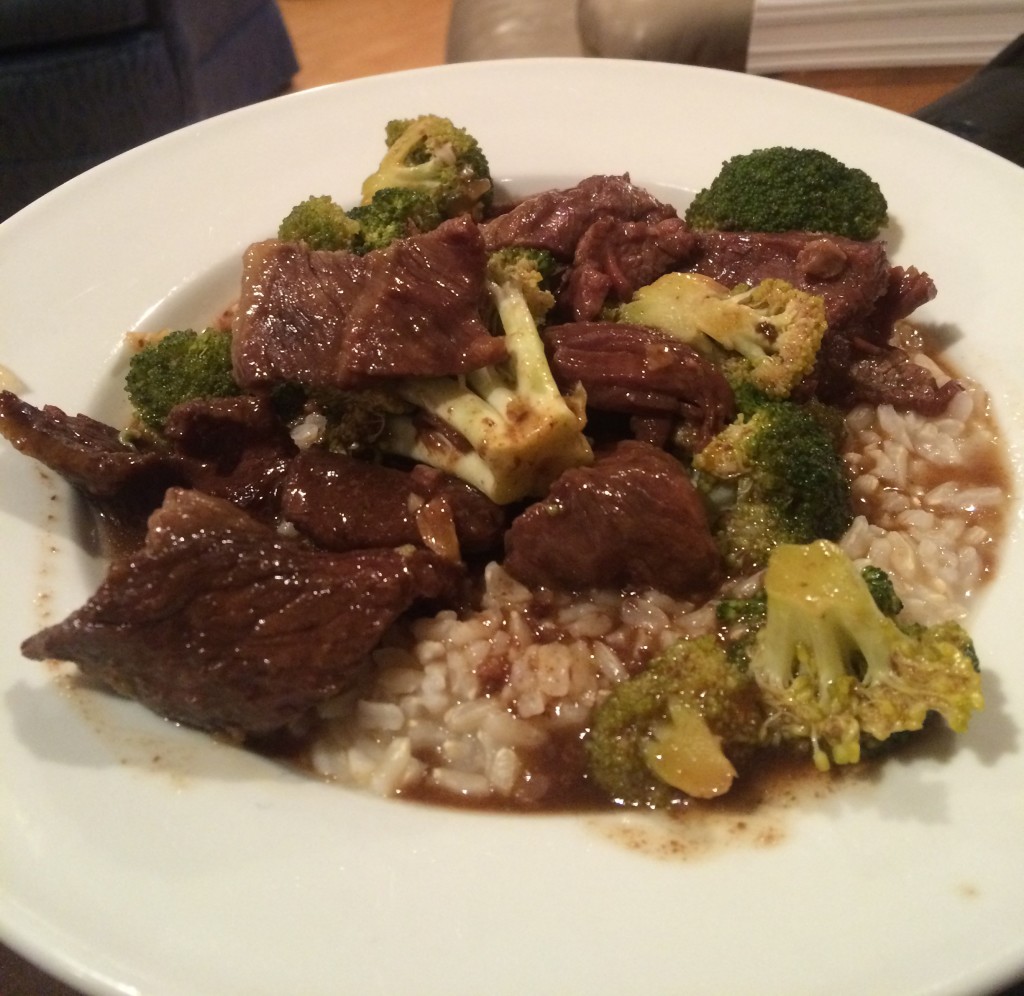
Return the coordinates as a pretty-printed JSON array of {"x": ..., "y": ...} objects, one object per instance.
[{"x": 338, "y": 40}]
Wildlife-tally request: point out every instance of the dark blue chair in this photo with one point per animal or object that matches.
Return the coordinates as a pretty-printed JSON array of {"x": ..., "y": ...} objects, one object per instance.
[{"x": 82, "y": 80}]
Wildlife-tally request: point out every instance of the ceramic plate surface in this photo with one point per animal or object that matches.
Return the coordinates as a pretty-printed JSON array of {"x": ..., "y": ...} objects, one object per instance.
[{"x": 139, "y": 857}]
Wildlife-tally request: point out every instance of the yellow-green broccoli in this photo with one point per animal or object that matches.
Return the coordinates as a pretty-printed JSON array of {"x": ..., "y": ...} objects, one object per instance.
[
  {"x": 835, "y": 670},
  {"x": 434, "y": 156},
  {"x": 768, "y": 335},
  {"x": 781, "y": 189},
  {"x": 816, "y": 661},
  {"x": 321, "y": 223},
  {"x": 662, "y": 731}
]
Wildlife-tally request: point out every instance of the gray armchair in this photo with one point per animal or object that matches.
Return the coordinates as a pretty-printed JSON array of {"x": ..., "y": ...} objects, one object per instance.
[{"x": 82, "y": 80}]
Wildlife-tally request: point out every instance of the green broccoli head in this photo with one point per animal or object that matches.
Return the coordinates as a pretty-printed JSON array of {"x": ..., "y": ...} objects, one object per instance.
[
  {"x": 882, "y": 590},
  {"x": 528, "y": 271},
  {"x": 320, "y": 223},
  {"x": 768, "y": 335},
  {"x": 834, "y": 670},
  {"x": 782, "y": 189},
  {"x": 393, "y": 213},
  {"x": 662, "y": 731},
  {"x": 784, "y": 476},
  {"x": 342, "y": 421},
  {"x": 434, "y": 156},
  {"x": 178, "y": 367}
]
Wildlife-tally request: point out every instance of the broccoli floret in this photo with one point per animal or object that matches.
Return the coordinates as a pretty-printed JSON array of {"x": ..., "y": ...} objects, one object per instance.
[
  {"x": 342, "y": 421},
  {"x": 662, "y": 731},
  {"x": 177, "y": 367},
  {"x": 746, "y": 612},
  {"x": 321, "y": 223},
  {"x": 432, "y": 155},
  {"x": 834, "y": 669},
  {"x": 514, "y": 432},
  {"x": 781, "y": 189},
  {"x": 767, "y": 335},
  {"x": 883, "y": 593},
  {"x": 530, "y": 271},
  {"x": 777, "y": 477},
  {"x": 393, "y": 213}
]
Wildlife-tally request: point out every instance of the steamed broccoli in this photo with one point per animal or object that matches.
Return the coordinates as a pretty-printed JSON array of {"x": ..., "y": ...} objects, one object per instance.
[
  {"x": 663, "y": 729},
  {"x": 882, "y": 590},
  {"x": 321, "y": 223},
  {"x": 812, "y": 662},
  {"x": 776, "y": 476},
  {"x": 834, "y": 669},
  {"x": 768, "y": 334},
  {"x": 432, "y": 155},
  {"x": 393, "y": 213},
  {"x": 342, "y": 421},
  {"x": 177, "y": 367},
  {"x": 514, "y": 433},
  {"x": 781, "y": 189}
]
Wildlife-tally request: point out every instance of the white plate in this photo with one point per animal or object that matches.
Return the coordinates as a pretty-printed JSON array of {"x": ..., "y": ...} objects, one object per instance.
[{"x": 139, "y": 857}]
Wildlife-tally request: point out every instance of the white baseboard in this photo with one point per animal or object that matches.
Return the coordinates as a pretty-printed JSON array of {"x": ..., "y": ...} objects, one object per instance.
[{"x": 837, "y": 34}]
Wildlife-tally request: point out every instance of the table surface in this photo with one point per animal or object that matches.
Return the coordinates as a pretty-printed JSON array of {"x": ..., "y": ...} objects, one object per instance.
[{"x": 408, "y": 34}]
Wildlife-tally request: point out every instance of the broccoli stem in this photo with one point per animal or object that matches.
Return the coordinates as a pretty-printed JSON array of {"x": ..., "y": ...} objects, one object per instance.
[{"x": 520, "y": 433}]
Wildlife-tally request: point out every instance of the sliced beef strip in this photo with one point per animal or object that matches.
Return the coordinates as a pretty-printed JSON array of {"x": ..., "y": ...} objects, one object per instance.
[
  {"x": 229, "y": 447},
  {"x": 556, "y": 220},
  {"x": 643, "y": 372},
  {"x": 344, "y": 503},
  {"x": 631, "y": 520},
  {"x": 222, "y": 624},
  {"x": 852, "y": 369},
  {"x": 235, "y": 448},
  {"x": 89, "y": 454},
  {"x": 332, "y": 319},
  {"x": 614, "y": 259},
  {"x": 907, "y": 289},
  {"x": 849, "y": 275}
]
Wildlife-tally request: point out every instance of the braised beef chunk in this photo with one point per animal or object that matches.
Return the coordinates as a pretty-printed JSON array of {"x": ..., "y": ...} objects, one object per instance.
[
  {"x": 850, "y": 276},
  {"x": 614, "y": 259},
  {"x": 642, "y": 372},
  {"x": 344, "y": 503},
  {"x": 220, "y": 623},
  {"x": 235, "y": 448},
  {"x": 333, "y": 319},
  {"x": 892, "y": 378},
  {"x": 556, "y": 220},
  {"x": 630, "y": 520},
  {"x": 88, "y": 454},
  {"x": 906, "y": 290}
]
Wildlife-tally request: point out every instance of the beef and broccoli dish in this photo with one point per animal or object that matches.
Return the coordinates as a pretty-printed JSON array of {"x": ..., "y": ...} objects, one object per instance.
[{"x": 479, "y": 499}]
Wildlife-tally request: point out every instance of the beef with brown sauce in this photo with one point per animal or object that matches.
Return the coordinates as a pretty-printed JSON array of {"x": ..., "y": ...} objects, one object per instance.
[
  {"x": 643, "y": 373},
  {"x": 332, "y": 319},
  {"x": 556, "y": 220},
  {"x": 614, "y": 259},
  {"x": 631, "y": 520},
  {"x": 849, "y": 275},
  {"x": 344, "y": 503},
  {"x": 220, "y": 623}
]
